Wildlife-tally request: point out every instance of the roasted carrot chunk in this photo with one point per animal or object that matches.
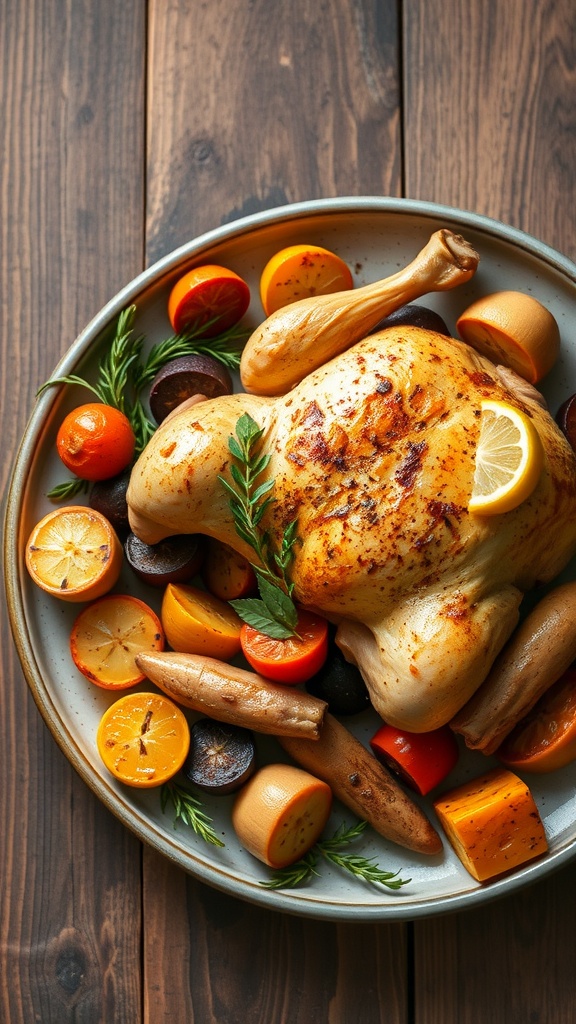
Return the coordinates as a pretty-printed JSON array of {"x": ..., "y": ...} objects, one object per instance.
[{"x": 493, "y": 823}]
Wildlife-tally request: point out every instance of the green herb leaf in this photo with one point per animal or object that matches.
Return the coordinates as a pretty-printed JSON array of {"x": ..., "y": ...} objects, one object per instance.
[
  {"x": 248, "y": 432},
  {"x": 68, "y": 489},
  {"x": 250, "y": 500},
  {"x": 363, "y": 868},
  {"x": 71, "y": 379},
  {"x": 188, "y": 809},
  {"x": 225, "y": 347},
  {"x": 279, "y": 605},
  {"x": 294, "y": 875},
  {"x": 255, "y": 613},
  {"x": 123, "y": 373}
]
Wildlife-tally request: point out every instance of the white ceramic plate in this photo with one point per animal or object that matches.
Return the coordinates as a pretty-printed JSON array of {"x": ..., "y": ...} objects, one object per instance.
[{"x": 377, "y": 237}]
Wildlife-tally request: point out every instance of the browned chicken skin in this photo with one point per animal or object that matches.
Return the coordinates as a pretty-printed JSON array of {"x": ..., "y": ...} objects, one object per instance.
[{"x": 373, "y": 453}]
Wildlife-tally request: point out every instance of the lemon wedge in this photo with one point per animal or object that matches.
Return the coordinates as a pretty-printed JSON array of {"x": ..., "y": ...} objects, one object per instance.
[{"x": 509, "y": 459}]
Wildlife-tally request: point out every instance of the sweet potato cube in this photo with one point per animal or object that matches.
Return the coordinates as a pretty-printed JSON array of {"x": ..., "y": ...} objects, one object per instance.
[{"x": 493, "y": 823}]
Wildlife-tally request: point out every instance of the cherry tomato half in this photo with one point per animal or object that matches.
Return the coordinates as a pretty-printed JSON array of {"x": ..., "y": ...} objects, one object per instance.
[
  {"x": 421, "y": 760},
  {"x": 290, "y": 661},
  {"x": 95, "y": 441}
]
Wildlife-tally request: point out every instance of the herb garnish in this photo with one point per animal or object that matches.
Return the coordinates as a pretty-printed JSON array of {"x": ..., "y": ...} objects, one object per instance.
[
  {"x": 361, "y": 867},
  {"x": 274, "y": 613},
  {"x": 69, "y": 489},
  {"x": 188, "y": 809},
  {"x": 124, "y": 373}
]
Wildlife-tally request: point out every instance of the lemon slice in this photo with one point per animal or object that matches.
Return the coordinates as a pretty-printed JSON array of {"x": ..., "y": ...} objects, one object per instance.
[{"x": 509, "y": 459}]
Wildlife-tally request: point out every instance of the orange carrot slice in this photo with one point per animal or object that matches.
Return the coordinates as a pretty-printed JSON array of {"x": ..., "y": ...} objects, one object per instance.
[
  {"x": 196, "y": 622},
  {"x": 143, "y": 739},
  {"x": 492, "y": 823},
  {"x": 108, "y": 634},
  {"x": 292, "y": 661},
  {"x": 280, "y": 813}
]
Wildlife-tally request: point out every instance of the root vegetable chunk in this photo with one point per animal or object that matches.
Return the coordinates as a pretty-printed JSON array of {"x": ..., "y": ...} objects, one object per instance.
[
  {"x": 280, "y": 813},
  {"x": 233, "y": 695},
  {"x": 364, "y": 785},
  {"x": 493, "y": 824}
]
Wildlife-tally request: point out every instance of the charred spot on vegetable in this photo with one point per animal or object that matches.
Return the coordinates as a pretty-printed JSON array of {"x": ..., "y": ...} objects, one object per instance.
[
  {"x": 222, "y": 757},
  {"x": 414, "y": 315},
  {"x": 173, "y": 560},
  {"x": 340, "y": 684}
]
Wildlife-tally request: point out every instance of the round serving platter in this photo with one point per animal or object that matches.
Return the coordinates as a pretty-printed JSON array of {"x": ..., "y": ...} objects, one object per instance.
[{"x": 376, "y": 237}]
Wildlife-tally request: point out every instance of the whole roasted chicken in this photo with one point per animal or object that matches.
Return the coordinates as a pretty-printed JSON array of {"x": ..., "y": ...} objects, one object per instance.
[{"x": 373, "y": 453}]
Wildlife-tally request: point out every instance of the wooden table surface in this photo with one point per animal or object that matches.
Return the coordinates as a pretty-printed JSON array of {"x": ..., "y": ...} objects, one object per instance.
[{"x": 129, "y": 128}]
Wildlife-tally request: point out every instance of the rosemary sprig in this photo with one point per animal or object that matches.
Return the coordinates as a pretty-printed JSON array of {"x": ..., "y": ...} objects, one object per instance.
[
  {"x": 226, "y": 348},
  {"x": 68, "y": 489},
  {"x": 115, "y": 380},
  {"x": 274, "y": 613},
  {"x": 363, "y": 868},
  {"x": 188, "y": 809},
  {"x": 113, "y": 385},
  {"x": 124, "y": 373}
]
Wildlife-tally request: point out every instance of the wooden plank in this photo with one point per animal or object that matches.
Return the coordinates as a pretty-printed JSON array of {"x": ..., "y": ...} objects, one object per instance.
[
  {"x": 512, "y": 960},
  {"x": 216, "y": 958},
  {"x": 503, "y": 142},
  {"x": 71, "y": 93},
  {"x": 488, "y": 132},
  {"x": 253, "y": 105}
]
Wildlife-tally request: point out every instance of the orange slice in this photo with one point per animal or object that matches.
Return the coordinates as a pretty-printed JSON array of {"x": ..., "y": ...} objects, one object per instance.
[
  {"x": 513, "y": 329},
  {"x": 299, "y": 271},
  {"x": 74, "y": 554},
  {"x": 196, "y": 622},
  {"x": 545, "y": 739},
  {"x": 208, "y": 300},
  {"x": 509, "y": 459},
  {"x": 107, "y": 636},
  {"x": 143, "y": 739}
]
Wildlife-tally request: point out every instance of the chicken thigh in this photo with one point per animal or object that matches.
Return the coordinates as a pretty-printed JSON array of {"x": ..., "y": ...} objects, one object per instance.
[{"x": 373, "y": 454}]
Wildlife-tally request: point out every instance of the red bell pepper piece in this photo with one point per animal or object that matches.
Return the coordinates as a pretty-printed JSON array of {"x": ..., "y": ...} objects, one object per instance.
[{"x": 422, "y": 760}]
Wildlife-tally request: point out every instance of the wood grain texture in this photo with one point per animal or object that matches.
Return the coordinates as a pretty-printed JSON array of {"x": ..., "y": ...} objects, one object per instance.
[
  {"x": 227, "y": 961},
  {"x": 489, "y": 91},
  {"x": 71, "y": 94},
  {"x": 489, "y": 113},
  {"x": 510, "y": 961},
  {"x": 252, "y": 105},
  {"x": 128, "y": 129}
]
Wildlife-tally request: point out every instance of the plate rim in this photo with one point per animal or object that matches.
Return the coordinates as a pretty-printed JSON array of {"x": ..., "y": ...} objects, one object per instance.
[{"x": 131, "y": 816}]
